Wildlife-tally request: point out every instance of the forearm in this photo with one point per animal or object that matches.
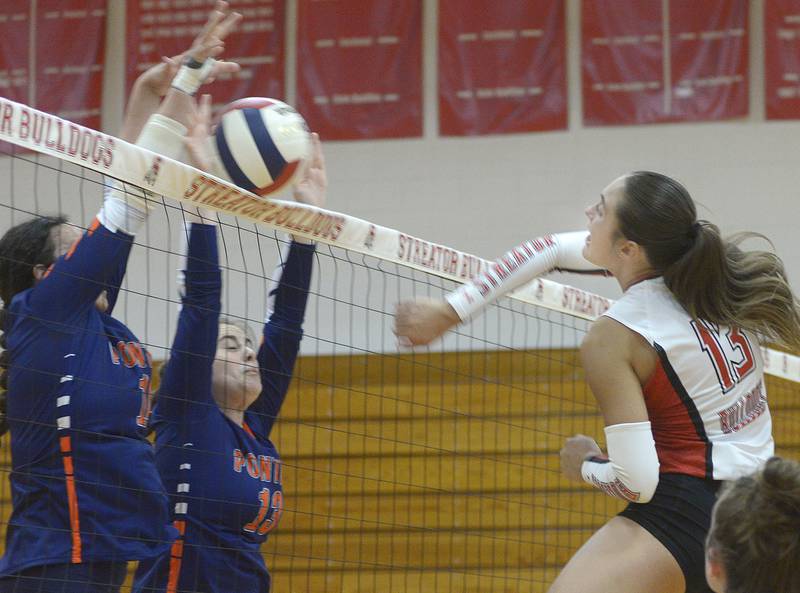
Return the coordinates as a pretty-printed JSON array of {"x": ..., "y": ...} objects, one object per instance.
[
  {"x": 631, "y": 470},
  {"x": 202, "y": 278},
  {"x": 283, "y": 331},
  {"x": 143, "y": 103},
  {"x": 516, "y": 268},
  {"x": 289, "y": 296},
  {"x": 125, "y": 208},
  {"x": 188, "y": 373}
]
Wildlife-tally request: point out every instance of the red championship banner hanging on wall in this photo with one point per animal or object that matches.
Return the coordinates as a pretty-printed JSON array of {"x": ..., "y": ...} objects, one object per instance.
[
  {"x": 359, "y": 68},
  {"x": 502, "y": 66},
  {"x": 15, "y": 32},
  {"x": 647, "y": 61},
  {"x": 158, "y": 28},
  {"x": 782, "y": 58},
  {"x": 51, "y": 56}
]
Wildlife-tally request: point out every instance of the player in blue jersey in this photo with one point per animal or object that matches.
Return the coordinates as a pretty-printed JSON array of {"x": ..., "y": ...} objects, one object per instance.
[
  {"x": 217, "y": 403},
  {"x": 86, "y": 494}
]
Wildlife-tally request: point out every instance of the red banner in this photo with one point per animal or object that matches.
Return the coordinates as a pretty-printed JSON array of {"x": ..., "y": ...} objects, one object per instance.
[
  {"x": 15, "y": 29},
  {"x": 359, "y": 69},
  {"x": 70, "y": 51},
  {"x": 664, "y": 60},
  {"x": 167, "y": 27},
  {"x": 502, "y": 66},
  {"x": 782, "y": 58},
  {"x": 52, "y": 57}
]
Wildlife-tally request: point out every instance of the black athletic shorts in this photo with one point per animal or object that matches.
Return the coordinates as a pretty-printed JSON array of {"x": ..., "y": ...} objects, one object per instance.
[{"x": 679, "y": 516}]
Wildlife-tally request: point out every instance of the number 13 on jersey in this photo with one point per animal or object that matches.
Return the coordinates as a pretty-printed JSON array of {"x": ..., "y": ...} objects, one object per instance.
[
  {"x": 731, "y": 354},
  {"x": 261, "y": 525}
]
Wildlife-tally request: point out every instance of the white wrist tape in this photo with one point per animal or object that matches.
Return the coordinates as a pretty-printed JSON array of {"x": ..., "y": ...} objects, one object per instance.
[
  {"x": 631, "y": 470},
  {"x": 518, "y": 267},
  {"x": 124, "y": 209},
  {"x": 163, "y": 135},
  {"x": 188, "y": 80}
]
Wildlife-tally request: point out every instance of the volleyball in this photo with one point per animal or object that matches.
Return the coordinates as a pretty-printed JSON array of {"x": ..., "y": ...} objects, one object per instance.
[{"x": 261, "y": 145}]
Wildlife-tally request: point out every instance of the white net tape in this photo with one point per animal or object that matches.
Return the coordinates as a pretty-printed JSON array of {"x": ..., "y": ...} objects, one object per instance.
[{"x": 42, "y": 132}]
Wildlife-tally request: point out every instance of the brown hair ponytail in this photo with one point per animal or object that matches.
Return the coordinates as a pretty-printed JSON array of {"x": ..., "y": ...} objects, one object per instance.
[
  {"x": 22, "y": 247},
  {"x": 711, "y": 277}
]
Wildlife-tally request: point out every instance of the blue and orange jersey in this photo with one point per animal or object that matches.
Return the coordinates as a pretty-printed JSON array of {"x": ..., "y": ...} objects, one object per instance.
[
  {"x": 84, "y": 482},
  {"x": 224, "y": 479}
]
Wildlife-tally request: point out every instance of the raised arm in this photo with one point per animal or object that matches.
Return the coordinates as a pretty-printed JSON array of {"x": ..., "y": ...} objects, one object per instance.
[
  {"x": 422, "y": 321},
  {"x": 188, "y": 371},
  {"x": 283, "y": 332},
  {"x": 97, "y": 261},
  {"x": 161, "y": 127},
  {"x": 287, "y": 303}
]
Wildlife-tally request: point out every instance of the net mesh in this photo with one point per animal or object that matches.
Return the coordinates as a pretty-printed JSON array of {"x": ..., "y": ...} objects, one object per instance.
[{"x": 430, "y": 470}]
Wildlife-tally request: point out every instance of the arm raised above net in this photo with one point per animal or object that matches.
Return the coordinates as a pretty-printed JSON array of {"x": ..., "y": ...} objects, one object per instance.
[
  {"x": 283, "y": 332},
  {"x": 421, "y": 322},
  {"x": 188, "y": 371},
  {"x": 287, "y": 302}
]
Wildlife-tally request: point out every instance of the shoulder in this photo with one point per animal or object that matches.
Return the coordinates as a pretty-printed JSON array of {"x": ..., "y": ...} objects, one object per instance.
[
  {"x": 609, "y": 336},
  {"x": 611, "y": 344},
  {"x": 643, "y": 308}
]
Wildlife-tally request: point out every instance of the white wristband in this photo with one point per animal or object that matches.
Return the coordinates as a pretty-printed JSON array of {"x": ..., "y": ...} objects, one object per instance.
[
  {"x": 189, "y": 79},
  {"x": 124, "y": 209}
]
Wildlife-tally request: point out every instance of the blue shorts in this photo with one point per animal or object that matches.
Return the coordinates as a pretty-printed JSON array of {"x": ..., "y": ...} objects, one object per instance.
[
  {"x": 88, "y": 577},
  {"x": 679, "y": 516}
]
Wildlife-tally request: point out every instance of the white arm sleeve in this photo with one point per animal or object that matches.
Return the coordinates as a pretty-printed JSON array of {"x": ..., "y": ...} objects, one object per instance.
[
  {"x": 631, "y": 470},
  {"x": 125, "y": 207},
  {"x": 563, "y": 251},
  {"x": 163, "y": 135}
]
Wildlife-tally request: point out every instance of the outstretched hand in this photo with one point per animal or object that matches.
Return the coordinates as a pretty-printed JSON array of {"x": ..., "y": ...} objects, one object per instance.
[
  {"x": 420, "y": 322},
  {"x": 197, "y": 147},
  {"x": 210, "y": 42},
  {"x": 198, "y": 132},
  {"x": 312, "y": 189}
]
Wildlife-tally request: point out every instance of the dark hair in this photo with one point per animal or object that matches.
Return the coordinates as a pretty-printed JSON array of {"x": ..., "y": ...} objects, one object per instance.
[
  {"x": 711, "y": 277},
  {"x": 756, "y": 530},
  {"x": 22, "y": 247}
]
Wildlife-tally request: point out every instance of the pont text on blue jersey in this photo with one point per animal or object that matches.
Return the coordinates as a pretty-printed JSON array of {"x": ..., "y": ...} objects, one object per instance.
[{"x": 263, "y": 467}]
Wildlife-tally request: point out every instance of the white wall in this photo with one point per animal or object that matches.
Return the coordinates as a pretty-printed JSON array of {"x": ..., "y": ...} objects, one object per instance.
[{"x": 483, "y": 195}]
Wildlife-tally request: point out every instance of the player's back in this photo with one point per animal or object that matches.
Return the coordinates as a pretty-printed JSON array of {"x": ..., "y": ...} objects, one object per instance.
[{"x": 706, "y": 400}]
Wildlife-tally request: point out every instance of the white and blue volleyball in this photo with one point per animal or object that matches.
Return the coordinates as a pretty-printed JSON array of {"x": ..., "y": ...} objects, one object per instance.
[{"x": 262, "y": 145}]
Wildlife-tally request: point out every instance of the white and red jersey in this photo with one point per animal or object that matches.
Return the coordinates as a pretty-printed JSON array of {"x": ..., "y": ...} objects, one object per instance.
[{"x": 706, "y": 400}]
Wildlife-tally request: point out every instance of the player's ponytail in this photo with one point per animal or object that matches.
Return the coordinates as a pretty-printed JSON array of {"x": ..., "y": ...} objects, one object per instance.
[
  {"x": 754, "y": 534},
  {"x": 21, "y": 248},
  {"x": 711, "y": 277}
]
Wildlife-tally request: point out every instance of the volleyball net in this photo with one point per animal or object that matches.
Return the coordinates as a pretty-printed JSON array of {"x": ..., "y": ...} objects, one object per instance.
[{"x": 426, "y": 470}]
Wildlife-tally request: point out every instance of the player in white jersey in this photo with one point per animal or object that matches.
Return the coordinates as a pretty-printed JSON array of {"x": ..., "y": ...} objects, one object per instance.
[{"x": 675, "y": 367}]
